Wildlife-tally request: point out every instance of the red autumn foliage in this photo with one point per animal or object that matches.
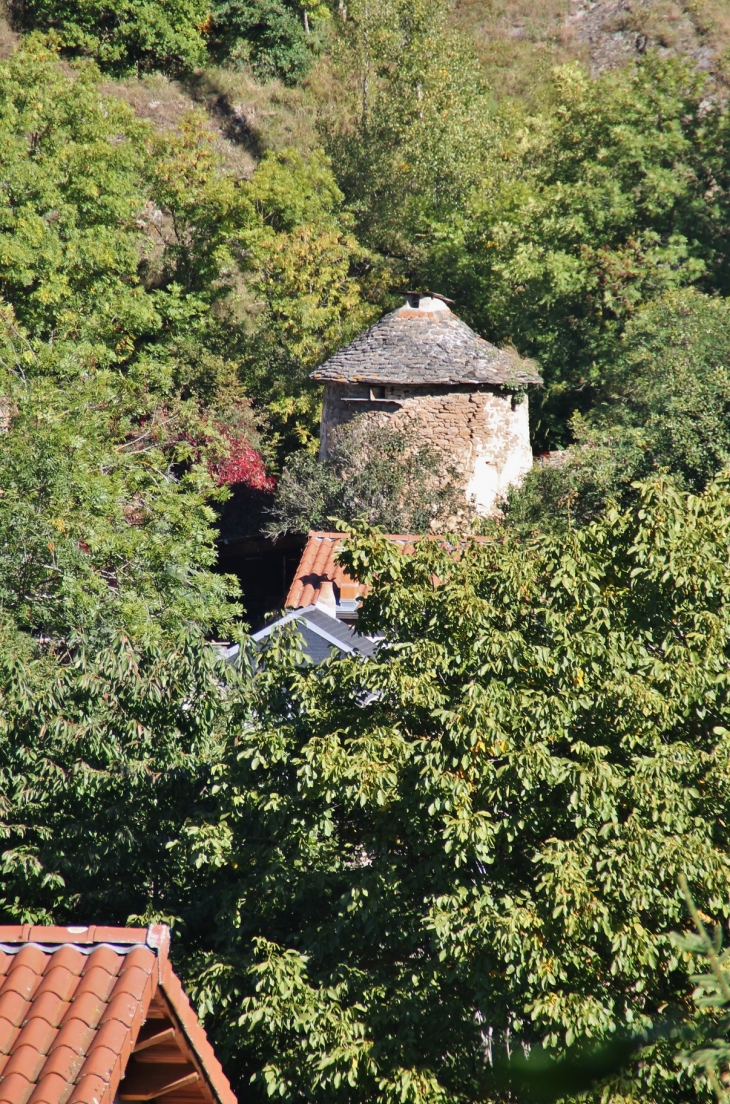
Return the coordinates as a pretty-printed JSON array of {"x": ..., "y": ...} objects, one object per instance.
[{"x": 243, "y": 465}]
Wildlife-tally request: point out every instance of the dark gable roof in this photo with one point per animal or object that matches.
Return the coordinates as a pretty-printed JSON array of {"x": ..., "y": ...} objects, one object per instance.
[{"x": 418, "y": 346}]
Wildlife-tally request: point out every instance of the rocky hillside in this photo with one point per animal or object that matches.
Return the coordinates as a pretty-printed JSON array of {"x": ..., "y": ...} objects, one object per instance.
[{"x": 518, "y": 40}]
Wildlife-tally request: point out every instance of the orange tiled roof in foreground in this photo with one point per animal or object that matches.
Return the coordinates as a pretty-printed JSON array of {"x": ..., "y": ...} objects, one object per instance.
[
  {"x": 318, "y": 564},
  {"x": 96, "y": 1015}
]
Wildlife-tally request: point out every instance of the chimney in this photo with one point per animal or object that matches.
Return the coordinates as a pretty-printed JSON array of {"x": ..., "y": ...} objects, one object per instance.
[{"x": 326, "y": 600}]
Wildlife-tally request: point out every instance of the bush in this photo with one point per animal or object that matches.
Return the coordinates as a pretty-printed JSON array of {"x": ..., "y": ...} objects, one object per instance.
[
  {"x": 665, "y": 407},
  {"x": 124, "y": 35},
  {"x": 269, "y": 35},
  {"x": 378, "y": 473}
]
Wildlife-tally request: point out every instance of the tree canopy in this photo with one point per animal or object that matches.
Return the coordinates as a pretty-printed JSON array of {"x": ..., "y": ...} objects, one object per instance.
[
  {"x": 472, "y": 840},
  {"x": 611, "y": 196},
  {"x": 388, "y": 872},
  {"x": 663, "y": 406},
  {"x": 385, "y": 877}
]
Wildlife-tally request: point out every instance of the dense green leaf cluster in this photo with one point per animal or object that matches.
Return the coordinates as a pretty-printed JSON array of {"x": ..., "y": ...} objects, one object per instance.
[
  {"x": 613, "y": 194},
  {"x": 106, "y": 748},
  {"x": 663, "y": 406},
  {"x": 124, "y": 35},
  {"x": 178, "y": 36},
  {"x": 270, "y": 36},
  {"x": 146, "y": 293},
  {"x": 412, "y": 147},
  {"x": 99, "y": 527},
  {"x": 472, "y": 840}
]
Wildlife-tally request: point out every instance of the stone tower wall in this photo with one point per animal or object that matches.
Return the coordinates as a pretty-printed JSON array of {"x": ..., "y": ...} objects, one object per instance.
[{"x": 482, "y": 432}]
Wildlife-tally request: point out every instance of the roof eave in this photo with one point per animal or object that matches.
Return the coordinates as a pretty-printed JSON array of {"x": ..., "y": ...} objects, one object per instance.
[
  {"x": 445, "y": 381},
  {"x": 196, "y": 1037}
]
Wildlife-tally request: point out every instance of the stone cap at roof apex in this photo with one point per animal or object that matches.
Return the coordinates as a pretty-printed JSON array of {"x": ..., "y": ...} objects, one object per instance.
[{"x": 427, "y": 301}]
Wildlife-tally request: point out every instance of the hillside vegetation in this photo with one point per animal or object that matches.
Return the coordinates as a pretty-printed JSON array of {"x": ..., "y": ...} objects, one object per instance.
[{"x": 385, "y": 878}]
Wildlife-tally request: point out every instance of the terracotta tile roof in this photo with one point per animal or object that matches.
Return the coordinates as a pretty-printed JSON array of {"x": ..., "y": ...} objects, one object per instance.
[
  {"x": 318, "y": 565},
  {"x": 421, "y": 345},
  {"x": 96, "y": 1015}
]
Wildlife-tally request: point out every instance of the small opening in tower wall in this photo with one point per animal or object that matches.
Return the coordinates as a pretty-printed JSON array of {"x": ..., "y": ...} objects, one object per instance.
[{"x": 377, "y": 393}]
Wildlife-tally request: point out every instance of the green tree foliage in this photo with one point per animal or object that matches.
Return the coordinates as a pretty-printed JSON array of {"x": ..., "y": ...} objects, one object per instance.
[
  {"x": 276, "y": 38},
  {"x": 271, "y": 37},
  {"x": 614, "y": 194},
  {"x": 146, "y": 294},
  {"x": 380, "y": 473},
  {"x": 98, "y": 527},
  {"x": 146, "y": 253},
  {"x": 103, "y": 513},
  {"x": 664, "y": 407},
  {"x": 410, "y": 148},
  {"x": 472, "y": 840},
  {"x": 124, "y": 35},
  {"x": 73, "y": 184},
  {"x": 106, "y": 749},
  {"x": 709, "y": 1050},
  {"x": 315, "y": 287}
]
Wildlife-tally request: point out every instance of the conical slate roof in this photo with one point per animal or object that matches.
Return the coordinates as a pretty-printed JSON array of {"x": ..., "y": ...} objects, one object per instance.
[{"x": 424, "y": 343}]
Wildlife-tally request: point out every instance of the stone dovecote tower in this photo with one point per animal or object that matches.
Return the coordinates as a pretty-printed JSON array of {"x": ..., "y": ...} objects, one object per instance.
[{"x": 422, "y": 367}]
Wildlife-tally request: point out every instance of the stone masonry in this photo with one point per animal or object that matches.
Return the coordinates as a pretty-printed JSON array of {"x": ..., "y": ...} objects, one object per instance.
[{"x": 422, "y": 368}]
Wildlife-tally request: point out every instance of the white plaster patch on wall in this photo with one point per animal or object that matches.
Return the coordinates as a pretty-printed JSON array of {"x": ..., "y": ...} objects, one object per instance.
[{"x": 495, "y": 471}]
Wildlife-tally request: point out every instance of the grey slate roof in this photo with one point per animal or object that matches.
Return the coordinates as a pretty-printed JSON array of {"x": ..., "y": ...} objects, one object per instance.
[
  {"x": 416, "y": 346},
  {"x": 322, "y": 635}
]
